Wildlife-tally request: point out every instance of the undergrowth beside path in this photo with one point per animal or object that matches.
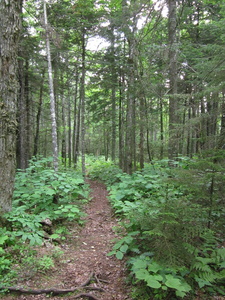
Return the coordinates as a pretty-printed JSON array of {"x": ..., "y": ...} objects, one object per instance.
[{"x": 83, "y": 261}]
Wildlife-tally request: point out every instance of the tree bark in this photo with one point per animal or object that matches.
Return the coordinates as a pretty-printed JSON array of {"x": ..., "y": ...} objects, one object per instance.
[
  {"x": 38, "y": 116},
  {"x": 9, "y": 38},
  {"x": 221, "y": 140},
  {"x": 113, "y": 93},
  {"x": 130, "y": 145},
  {"x": 23, "y": 114},
  {"x": 52, "y": 96},
  {"x": 173, "y": 101},
  {"x": 82, "y": 99}
]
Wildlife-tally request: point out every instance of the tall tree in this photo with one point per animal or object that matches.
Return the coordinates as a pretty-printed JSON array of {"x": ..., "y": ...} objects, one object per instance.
[
  {"x": 173, "y": 100},
  {"x": 9, "y": 38},
  {"x": 82, "y": 99},
  {"x": 52, "y": 96}
]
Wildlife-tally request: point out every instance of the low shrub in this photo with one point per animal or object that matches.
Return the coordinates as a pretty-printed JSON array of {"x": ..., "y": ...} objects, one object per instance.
[{"x": 171, "y": 249}]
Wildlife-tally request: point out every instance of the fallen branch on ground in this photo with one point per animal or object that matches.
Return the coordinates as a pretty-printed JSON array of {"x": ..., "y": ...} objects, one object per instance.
[{"x": 55, "y": 291}]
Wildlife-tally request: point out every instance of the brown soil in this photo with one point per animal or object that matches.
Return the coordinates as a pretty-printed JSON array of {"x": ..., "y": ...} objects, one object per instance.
[{"x": 85, "y": 253}]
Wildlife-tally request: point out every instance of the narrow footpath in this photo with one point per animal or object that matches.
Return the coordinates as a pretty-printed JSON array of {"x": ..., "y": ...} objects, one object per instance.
[{"x": 85, "y": 258}]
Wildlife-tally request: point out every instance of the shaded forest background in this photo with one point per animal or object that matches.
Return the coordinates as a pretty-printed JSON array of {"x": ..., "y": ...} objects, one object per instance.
[{"x": 152, "y": 87}]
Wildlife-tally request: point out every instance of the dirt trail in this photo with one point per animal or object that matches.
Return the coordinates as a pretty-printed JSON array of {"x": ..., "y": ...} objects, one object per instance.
[{"x": 87, "y": 254}]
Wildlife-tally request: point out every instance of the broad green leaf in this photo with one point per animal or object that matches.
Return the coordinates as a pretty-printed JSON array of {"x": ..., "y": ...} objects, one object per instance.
[
  {"x": 119, "y": 255},
  {"x": 50, "y": 192},
  {"x": 154, "y": 267},
  {"x": 111, "y": 253},
  {"x": 124, "y": 248},
  {"x": 54, "y": 236},
  {"x": 140, "y": 264},
  {"x": 149, "y": 186},
  {"x": 173, "y": 282},
  {"x": 152, "y": 282},
  {"x": 3, "y": 239},
  {"x": 142, "y": 274}
]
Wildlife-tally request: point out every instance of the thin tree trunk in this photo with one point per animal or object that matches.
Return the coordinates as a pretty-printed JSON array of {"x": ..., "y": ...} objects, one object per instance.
[
  {"x": 52, "y": 96},
  {"x": 28, "y": 113},
  {"x": 142, "y": 121},
  {"x": 38, "y": 117},
  {"x": 113, "y": 94},
  {"x": 121, "y": 116},
  {"x": 173, "y": 101},
  {"x": 76, "y": 124},
  {"x": 130, "y": 147},
  {"x": 21, "y": 118},
  {"x": 221, "y": 141},
  {"x": 161, "y": 128},
  {"x": 77, "y": 134},
  {"x": 69, "y": 134},
  {"x": 64, "y": 139},
  {"x": 82, "y": 99}
]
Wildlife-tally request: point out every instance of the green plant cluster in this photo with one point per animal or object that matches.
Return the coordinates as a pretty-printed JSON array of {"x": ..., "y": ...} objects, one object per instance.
[
  {"x": 174, "y": 238},
  {"x": 40, "y": 195},
  {"x": 100, "y": 169}
]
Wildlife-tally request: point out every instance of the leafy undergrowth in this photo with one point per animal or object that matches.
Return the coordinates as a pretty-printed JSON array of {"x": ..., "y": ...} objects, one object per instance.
[
  {"x": 174, "y": 223},
  {"x": 44, "y": 205}
]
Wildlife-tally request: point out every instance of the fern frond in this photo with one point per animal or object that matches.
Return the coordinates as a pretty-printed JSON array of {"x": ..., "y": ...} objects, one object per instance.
[{"x": 201, "y": 267}]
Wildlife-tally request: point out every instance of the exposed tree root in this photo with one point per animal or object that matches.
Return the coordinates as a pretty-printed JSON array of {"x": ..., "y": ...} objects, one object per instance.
[
  {"x": 89, "y": 296},
  {"x": 54, "y": 291}
]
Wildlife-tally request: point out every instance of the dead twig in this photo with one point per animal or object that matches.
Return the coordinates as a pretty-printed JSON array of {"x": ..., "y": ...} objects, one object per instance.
[
  {"x": 55, "y": 291},
  {"x": 89, "y": 296}
]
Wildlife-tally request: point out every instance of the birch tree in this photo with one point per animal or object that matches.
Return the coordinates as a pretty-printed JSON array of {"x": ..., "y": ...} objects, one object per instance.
[{"x": 52, "y": 96}]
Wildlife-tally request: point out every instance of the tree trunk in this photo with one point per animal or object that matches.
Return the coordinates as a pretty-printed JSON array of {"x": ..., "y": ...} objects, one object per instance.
[
  {"x": 173, "y": 101},
  {"x": 161, "y": 128},
  {"x": 221, "y": 141},
  {"x": 9, "y": 37},
  {"x": 52, "y": 96},
  {"x": 69, "y": 133},
  {"x": 121, "y": 117},
  {"x": 38, "y": 117},
  {"x": 113, "y": 94},
  {"x": 130, "y": 147},
  {"x": 76, "y": 124},
  {"x": 82, "y": 99},
  {"x": 64, "y": 139}
]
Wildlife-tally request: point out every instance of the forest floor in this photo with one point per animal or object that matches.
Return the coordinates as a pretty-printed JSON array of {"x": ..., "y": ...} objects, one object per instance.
[{"x": 84, "y": 263}]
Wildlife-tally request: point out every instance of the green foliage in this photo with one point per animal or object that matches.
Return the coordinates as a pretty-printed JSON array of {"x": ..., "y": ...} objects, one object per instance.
[
  {"x": 124, "y": 244},
  {"x": 159, "y": 277},
  {"x": 39, "y": 185},
  {"x": 103, "y": 170},
  {"x": 68, "y": 211},
  {"x": 39, "y": 195},
  {"x": 164, "y": 213}
]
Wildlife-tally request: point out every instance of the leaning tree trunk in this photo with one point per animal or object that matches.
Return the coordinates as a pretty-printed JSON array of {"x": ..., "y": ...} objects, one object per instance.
[
  {"x": 9, "y": 37},
  {"x": 52, "y": 96}
]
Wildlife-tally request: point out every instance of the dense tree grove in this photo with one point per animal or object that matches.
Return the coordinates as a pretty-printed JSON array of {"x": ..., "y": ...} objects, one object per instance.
[
  {"x": 133, "y": 80},
  {"x": 130, "y": 92}
]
